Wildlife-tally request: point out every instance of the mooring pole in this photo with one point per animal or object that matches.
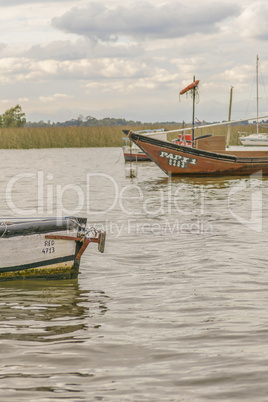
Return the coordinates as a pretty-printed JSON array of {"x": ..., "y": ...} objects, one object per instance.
[
  {"x": 229, "y": 117},
  {"x": 257, "y": 85},
  {"x": 193, "y": 113}
]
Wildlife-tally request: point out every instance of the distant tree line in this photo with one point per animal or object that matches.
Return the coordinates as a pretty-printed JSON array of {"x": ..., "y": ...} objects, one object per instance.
[
  {"x": 14, "y": 117},
  {"x": 88, "y": 121}
]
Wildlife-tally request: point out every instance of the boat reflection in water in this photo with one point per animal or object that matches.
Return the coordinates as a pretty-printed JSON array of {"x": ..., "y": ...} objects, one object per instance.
[{"x": 46, "y": 311}]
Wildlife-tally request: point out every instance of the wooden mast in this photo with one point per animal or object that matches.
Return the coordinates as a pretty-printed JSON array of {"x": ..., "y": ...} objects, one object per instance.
[
  {"x": 257, "y": 84},
  {"x": 193, "y": 112},
  {"x": 192, "y": 88}
]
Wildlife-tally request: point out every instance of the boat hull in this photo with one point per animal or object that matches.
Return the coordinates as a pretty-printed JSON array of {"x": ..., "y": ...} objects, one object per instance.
[
  {"x": 254, "y": 142},
  {"x": 136, "y": 157},
  {"x": 45, "y": 249},
  {"x": 185, "y": 161},
  {"x": 134, "y": 154}
]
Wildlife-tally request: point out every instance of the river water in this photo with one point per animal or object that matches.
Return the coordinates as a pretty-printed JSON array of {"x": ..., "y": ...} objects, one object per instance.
[{"x": 174, "y": 310}]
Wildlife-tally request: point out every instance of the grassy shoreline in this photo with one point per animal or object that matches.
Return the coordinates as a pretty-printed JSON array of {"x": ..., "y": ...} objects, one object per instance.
[{"x": 84, "y": 137}]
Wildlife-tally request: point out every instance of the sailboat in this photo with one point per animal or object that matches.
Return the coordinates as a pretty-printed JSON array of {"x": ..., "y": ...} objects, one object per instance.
[{"x": 257, "y": 139}]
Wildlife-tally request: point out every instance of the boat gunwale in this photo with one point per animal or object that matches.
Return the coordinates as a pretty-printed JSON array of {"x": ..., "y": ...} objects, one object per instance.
[
  {"x": 40, "y": 226},
  {"x": 181, "y": 148}
]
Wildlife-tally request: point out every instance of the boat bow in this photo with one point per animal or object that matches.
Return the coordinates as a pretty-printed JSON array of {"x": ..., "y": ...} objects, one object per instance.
[{"x": 45, "y": 248}]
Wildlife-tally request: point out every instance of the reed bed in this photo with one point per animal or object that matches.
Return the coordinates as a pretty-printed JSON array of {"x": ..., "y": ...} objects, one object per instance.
[{"x": 84, "y": 137}]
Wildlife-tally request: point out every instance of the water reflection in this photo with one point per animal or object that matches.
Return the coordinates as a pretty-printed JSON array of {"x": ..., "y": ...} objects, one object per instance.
[
  {"x": 48, "y": 311},
  {"x": 208, "y": 181}
]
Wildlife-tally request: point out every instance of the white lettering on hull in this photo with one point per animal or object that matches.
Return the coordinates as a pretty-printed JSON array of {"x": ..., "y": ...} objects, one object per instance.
[{"x": 177, "y": 160}]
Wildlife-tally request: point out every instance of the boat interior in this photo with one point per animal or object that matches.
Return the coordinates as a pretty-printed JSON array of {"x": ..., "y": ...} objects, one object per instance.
[{"x": 218, "y": 144}]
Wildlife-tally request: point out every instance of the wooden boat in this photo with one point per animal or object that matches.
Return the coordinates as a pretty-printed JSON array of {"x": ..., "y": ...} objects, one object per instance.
[
  {"x": 205, "y": 156},
  {"x": 45, "y": 248},
  {"x": 208, "y": 156},
  {"x": 132, "y": 153}
]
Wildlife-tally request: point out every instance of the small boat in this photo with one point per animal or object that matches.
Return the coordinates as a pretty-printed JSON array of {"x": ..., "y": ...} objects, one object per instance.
[
  {"x": 45, "y": 248},
  {"x": 207, "y": 157},
  {"x": 133, "y": 153},
  {"x": 257, "y": 139},
  {"x": 254, "y": 140}
]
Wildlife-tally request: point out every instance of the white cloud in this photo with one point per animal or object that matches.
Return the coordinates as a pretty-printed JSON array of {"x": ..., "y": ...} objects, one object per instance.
[
  {"x": 22, "y": 69},
  {"x": 253, "y": 21},
  {"x": 129, "y": 59},
  {"x": 158, "y": 79},
  {"x": 54, "y": 97}
]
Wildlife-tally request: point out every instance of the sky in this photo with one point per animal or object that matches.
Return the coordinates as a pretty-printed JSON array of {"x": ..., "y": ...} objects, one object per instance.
[{"x": 130, "y": 59}]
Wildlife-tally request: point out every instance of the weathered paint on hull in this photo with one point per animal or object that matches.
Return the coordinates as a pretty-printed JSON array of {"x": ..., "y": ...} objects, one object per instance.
[
  {"x": 58, "y": 271},
  {"x": 184, "y": 161}
]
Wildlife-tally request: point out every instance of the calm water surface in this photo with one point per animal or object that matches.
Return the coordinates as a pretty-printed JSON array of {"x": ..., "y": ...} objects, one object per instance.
[{"x": 174, "y": 310}]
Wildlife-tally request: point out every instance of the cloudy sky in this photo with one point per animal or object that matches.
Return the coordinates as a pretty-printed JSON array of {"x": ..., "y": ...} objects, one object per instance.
[{"x": 130, "y": 59}]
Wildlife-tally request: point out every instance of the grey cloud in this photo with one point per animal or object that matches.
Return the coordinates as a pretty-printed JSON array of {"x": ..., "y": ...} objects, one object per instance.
[
  {"x": 2, "y": 46},
  {"x": 262, "y": 37},
  {"x": 81, "y": 49},
  {"x": 58, "y": 50},
  {"x": 143, "y": 20},
  {"x": 10, "y": 3}
]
